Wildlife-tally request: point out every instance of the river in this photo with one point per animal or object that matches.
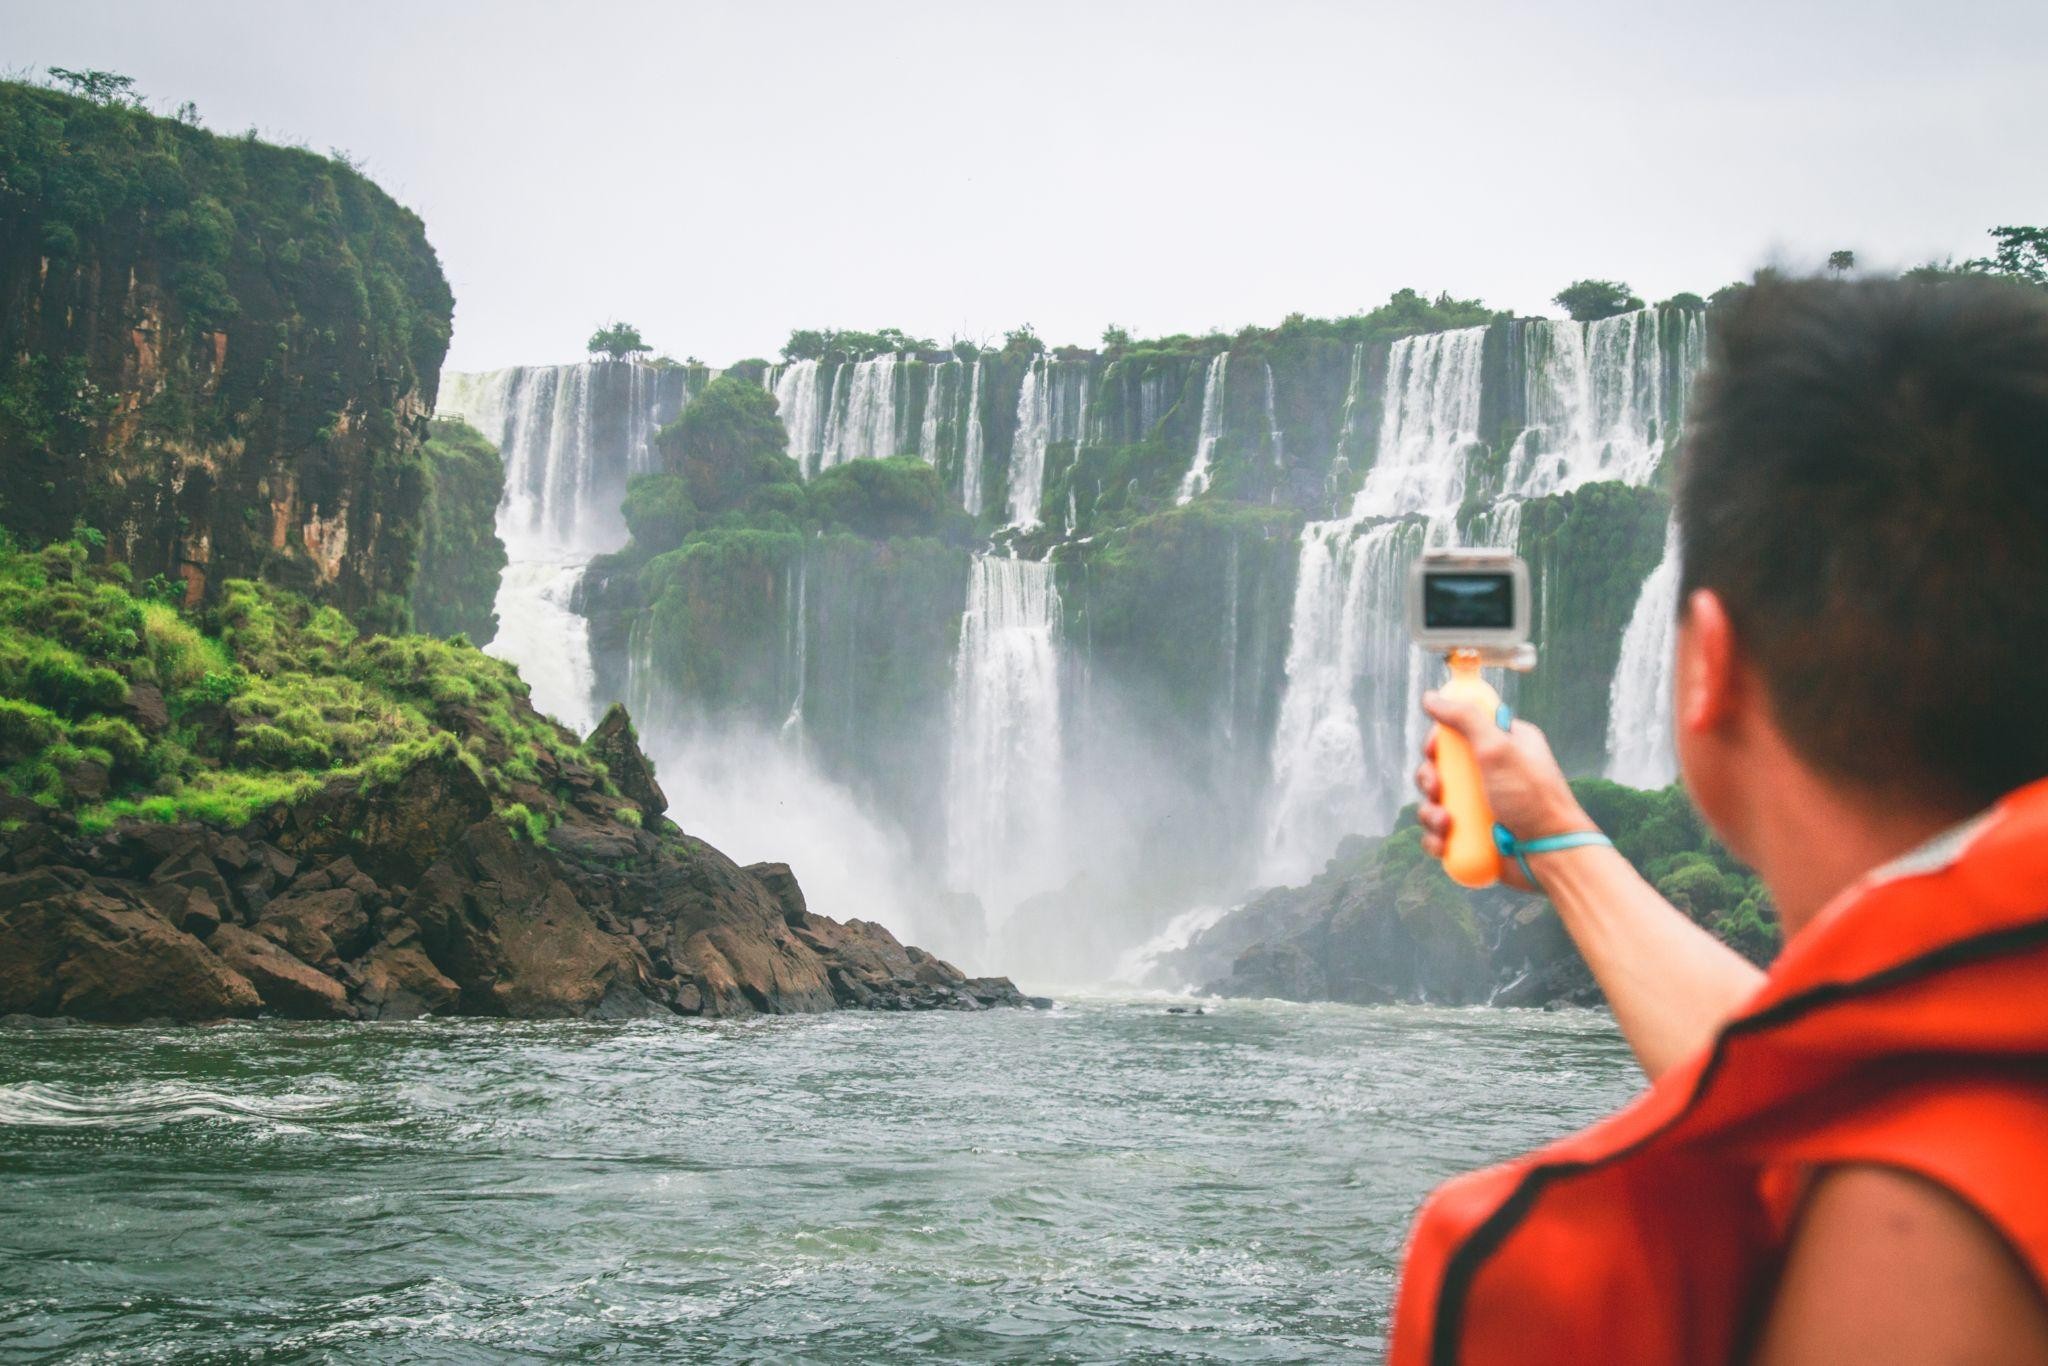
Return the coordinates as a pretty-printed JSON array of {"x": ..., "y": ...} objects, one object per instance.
[{"x": 1101, "y": 1181}]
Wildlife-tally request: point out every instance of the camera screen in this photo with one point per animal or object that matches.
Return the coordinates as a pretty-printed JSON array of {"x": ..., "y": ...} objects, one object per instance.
[{"x": 1468, "y": 602}]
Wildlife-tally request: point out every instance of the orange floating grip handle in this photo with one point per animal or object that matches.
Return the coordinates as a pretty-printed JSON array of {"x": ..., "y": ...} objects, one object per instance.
[{"x": 1470, "y": 856}]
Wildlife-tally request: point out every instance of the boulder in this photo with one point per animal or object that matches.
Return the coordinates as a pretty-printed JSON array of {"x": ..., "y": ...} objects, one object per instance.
[
  {"x": 287, "y": 985},
  {"x": 616, "y": 745},
  {"x": 321, "y": 928},
  {"x": 73, "y": 946},
  {"x": 145, "y": 708},
  {"x": 780, "y": 883},
  {"x": 397, "y": 981}
]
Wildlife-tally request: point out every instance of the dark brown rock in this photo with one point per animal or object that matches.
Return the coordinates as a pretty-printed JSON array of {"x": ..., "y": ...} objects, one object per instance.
[
  {"x": 321, "y": 928},
  {"x": 288, "y": 986},
  {"x": 781, "y": 884},
  {"x": 145, "y": 708},
  {"x": 496, "y": 917},
  {"x": 393, "y": 831},
  {"x": 616, "y": 745},
  {"x": 397, "y": 981},
  {"x": 67, "y": 949}
]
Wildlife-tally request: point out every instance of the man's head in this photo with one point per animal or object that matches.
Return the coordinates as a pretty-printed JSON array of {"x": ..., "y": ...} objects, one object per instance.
[{"x": 1863, "y": 511}]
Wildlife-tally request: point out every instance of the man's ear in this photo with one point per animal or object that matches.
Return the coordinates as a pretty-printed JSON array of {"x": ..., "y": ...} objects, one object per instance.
[{"x": 1709, "y": 679}]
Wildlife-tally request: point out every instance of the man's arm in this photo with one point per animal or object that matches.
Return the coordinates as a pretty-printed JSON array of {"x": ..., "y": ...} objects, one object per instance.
[
  {"x": 1886, "y": 1267},
  {"x": 1670, "y": 983}
]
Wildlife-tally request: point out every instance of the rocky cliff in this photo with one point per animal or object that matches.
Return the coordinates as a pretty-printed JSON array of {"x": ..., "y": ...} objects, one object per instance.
[
  {"x": 260, "y": 809},
  {"x": 216, "y": 353}
]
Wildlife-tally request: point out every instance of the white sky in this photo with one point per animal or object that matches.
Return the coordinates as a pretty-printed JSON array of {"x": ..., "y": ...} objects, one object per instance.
[{"x": 719, "y": 173}]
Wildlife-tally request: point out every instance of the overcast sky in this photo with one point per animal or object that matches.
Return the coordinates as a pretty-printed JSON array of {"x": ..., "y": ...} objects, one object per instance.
[{"x": 719, "y": 173}]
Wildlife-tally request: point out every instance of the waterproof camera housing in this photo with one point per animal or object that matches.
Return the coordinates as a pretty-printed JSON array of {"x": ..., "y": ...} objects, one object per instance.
[{"x": 1472, "y": 600}]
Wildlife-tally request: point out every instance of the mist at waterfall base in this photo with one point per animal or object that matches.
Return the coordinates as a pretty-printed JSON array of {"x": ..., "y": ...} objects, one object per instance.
[
  {"x": 1099, "y": 1182},
  {"x": 1055, "y": 834}
]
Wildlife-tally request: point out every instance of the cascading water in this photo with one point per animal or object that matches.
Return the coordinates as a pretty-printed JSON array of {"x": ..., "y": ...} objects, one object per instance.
[
  {"x": 862, "y": 422},
  {"x": 796, "y": 397},
  {"x": 1350, "y": 717},
  {"x": 972, "y": 449},
  {"x": 1004, "y": 767},
  {"x": 1211, "y": 431},
  {"x": 569, "y": 436},
  {"x": 1602, "y": 398},
  {"x": 1639, "y": 706},
  {"x": 1052, "y": 406},
  {"x": 1276, "y": 440},
  {"x": 940, "y": 422}
]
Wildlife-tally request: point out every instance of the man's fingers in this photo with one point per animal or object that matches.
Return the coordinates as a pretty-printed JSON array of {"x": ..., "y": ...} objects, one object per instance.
[
  {"x": 1433, "y": 819},
  {"x": 1427, "y": 782},
  {"x": 1467, "y": 718},
  {"x": 1432, "y": 845}
]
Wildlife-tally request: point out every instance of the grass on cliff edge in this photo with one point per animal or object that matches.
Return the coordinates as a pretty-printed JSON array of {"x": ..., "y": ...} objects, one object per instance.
[{"x": 267, "y": 697}]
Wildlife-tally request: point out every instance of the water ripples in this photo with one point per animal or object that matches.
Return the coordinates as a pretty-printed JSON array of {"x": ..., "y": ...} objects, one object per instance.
[{"x": 1104, "y": 1181}]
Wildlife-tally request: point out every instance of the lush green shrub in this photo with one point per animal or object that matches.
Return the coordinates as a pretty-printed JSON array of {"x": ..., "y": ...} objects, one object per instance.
[
  {"x": 286, "y": 696},
  {"x": 880, "y": 499},
  {"x": 659, "y": 512}
]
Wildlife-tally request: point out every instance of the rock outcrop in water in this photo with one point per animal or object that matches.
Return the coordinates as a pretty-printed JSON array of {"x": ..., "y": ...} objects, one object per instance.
[
  {"x": 411, "y": 897},
  {"x": 1381, "y": 923}
]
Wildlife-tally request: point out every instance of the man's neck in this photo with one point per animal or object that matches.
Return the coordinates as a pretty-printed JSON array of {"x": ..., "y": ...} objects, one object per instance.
[{"x": 1812, "y": 839}]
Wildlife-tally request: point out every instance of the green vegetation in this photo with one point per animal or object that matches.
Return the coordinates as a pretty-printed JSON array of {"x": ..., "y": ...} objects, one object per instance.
[
  {"x": 114, "y": 704},
  {"x": 1588, "y": 301},
  {"x": 881, "y": 499},
  {"x": 617, "y": 341},
  {"x": 2018, "y": 254},
  {"x": 461, "y": 557},
  {"x": 833, "y": 344},
  {"x": 1663, "y": 836}
]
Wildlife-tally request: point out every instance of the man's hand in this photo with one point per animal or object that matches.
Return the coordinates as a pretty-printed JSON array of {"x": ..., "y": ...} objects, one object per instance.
[
  {"x": 1671, "y": 983},
  {"x": 1524, "y": 785}
]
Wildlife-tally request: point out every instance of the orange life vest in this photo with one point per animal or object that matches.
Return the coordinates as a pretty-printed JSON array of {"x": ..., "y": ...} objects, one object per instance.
[{"x": 1907, "y": 1025}]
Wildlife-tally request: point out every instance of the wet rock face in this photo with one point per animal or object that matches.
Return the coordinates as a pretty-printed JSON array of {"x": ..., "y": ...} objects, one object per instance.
[{"x": 414, "y": 898}]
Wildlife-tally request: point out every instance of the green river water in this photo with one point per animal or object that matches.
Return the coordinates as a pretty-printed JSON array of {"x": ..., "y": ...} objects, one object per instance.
[{"x": 1100, "y": 1182}]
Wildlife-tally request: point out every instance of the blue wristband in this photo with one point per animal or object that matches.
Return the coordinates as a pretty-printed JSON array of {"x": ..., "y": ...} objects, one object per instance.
[{"x": 1519, "y": 850}]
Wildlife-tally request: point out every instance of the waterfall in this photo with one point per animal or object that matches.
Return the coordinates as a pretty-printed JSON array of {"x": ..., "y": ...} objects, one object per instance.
[
  {"x": 796, "y": 397},
  {"x": 942, "y": 387},
  {"x": 1350, "y": 721},
  {"x": 1197, "y": 477},
  {"x": 1274, "y": 437},
  {"x": 1639, "y": 705},
  {"x": 1602, "y": 398},
  {"x": 861, "y": 424},
  {"x": 569, "y": 436},
  {"x": 796, "y": 662},
  {"x": 1004, "y": 766},
  {"x": 971, "y": 495},
  {"x": 1052, "y": 406}
]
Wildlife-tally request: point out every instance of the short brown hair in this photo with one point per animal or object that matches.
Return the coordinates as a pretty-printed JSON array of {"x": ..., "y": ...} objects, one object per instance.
[{"x": 1864, "y": 483}]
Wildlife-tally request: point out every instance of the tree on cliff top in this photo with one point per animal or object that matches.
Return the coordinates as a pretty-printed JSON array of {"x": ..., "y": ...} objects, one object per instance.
[
  {"x": 101, "y": 87},
  {"x": 1591, "y": 300},
  {"x": 810, "y": 343},
  {"x": 2021, "y": 254},
  {"x": 618, "y": 341}
]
